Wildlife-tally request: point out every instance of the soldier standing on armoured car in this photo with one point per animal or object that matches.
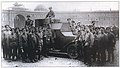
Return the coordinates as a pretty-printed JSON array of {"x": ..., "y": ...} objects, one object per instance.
[
  {"x": 50, "y": 15},
  {"x": 28, "y": 22}
]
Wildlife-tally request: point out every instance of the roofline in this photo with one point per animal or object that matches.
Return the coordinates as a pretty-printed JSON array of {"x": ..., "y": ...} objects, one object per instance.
[
  {"x": 69, "y": 11},
  {"x": 86, "y": 11}
]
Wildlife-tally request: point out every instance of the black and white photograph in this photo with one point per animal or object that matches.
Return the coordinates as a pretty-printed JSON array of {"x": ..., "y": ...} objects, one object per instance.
[{"x": 59, "y": 34}]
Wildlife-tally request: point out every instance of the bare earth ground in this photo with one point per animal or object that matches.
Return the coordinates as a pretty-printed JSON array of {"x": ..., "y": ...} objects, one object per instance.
[{"x": 58, "y": 62}]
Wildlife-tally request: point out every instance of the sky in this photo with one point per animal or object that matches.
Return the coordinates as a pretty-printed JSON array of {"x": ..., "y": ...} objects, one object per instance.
[{"x": 67, "y": 6}]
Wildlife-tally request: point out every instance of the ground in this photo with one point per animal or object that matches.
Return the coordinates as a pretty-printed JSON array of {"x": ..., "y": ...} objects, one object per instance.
[
  {"x": 59, "y": 62},
  {"x": 46, "y": 62}
]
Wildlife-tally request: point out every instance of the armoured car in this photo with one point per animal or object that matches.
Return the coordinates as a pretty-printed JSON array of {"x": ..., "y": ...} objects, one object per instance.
[{"x": 64, "y": 39}]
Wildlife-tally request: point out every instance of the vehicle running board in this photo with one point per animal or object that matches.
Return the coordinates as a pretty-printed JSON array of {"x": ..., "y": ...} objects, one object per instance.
[{"x": 57, "y": 52}]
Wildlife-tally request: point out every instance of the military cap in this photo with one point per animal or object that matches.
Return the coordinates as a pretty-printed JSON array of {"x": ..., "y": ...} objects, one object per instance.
[
  {"x": 97, "y": 28},
  {"x": 28, "y": 15},
  {"x": 68, "y": 19},
  {"x": 73, "y": 21},
  {"x": 6, "y": 26},
  {"x": 102, "y": 28},
  {"x": 108, "y": 28},
  {"x": 50, "y": 7}
]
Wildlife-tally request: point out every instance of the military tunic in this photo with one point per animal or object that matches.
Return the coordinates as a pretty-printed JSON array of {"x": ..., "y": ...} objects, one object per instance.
[
  {"x": 6, "y": 42},
  {"x": 13, "y": 46},
  {"x": 29, "y": 22}
]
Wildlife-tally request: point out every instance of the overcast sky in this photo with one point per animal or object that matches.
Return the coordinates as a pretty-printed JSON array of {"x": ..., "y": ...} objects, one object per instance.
[{"x": 68, "y": 6}]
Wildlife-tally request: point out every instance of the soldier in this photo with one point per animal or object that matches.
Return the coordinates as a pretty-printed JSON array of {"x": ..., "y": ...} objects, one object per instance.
[
  {"x": 39, "y": 35},
  {"x": 45, "y": 41},
  {"x": 28, "y": 22},
  {"x": 13, "y": 45},
  {"x": 6, "y": 42},
  {"x": 24, "y": 45},
  {"x": 73, "y": 27},
  {"x": 89, "y": 39},
  {"x": 115, "y": 31},
  {"x": 20, "y": 44},
  {"x": 32, "y": 44},
  {"x": 111, "y": 44},
  {"x": 17, "y": 31},
  {"x": 69, "y": 21},
  {"x": 103, "y": 40},
  {"x": 79, "y": 40},
  {"x": 95, "y": 45},
  {"x": 2, "y": 38},
  {"x": 50, "y": 15},
  {"x": 2, "y": 34}
]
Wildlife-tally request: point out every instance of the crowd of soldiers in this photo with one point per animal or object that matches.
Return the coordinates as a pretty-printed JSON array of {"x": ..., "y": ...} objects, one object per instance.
[
  {"x": 26, "y": 43},
  {"x": 98, "y": 42}
]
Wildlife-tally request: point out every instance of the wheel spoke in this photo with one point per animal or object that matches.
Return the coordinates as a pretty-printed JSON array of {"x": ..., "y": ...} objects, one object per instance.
[{"x": 72, "y": 52}]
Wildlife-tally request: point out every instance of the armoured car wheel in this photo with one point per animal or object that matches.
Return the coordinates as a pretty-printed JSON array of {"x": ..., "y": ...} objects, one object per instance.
[{"x": 72, "y": 51}]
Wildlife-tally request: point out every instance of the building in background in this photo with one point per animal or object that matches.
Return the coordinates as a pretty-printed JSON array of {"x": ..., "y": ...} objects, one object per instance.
[{"x": 16, "y": 16}]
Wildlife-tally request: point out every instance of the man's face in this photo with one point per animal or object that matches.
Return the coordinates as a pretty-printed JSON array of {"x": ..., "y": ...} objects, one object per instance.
[
  {"x": 7, "y": 27},
  {"x": 28, "y": 17},
  {"x": 24, "y": 30},
  {"x": 102, "y": 31},
  {"x": 97, "y": 30},
  {"x": 13, "y": 31},
  {"x": 17, "y": 30},
  {"x": 108, "y": 30},
  {"x": 50, "y": 9},
  {"x": 68, "y": 20}
]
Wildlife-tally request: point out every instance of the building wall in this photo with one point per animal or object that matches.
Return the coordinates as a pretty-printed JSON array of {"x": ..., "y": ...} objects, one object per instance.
[{"x": 103, "y": 18}]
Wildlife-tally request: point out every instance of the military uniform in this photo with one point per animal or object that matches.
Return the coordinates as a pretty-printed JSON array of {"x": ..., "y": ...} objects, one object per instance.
[
  {"x": 32, "y": 45},
  {"x": 95, "y": 47},
  {"x": 29, "y": 22},
  {"x": 19, "y": 54},
  {"x": 24, "y": 46},
  {"x": 46, "y": 42},
  {"x": 89, "y": 38},
  {"x": 13, "y": 46},
  {"x": 6, "y": 41},
  {"x": 50, "y": 16},
  {"x": 39, "y": 36},
  {"x": 80, "y": 43},
  {"x": 111, "y": 46},
  {"x": 102, "y": 43}
]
